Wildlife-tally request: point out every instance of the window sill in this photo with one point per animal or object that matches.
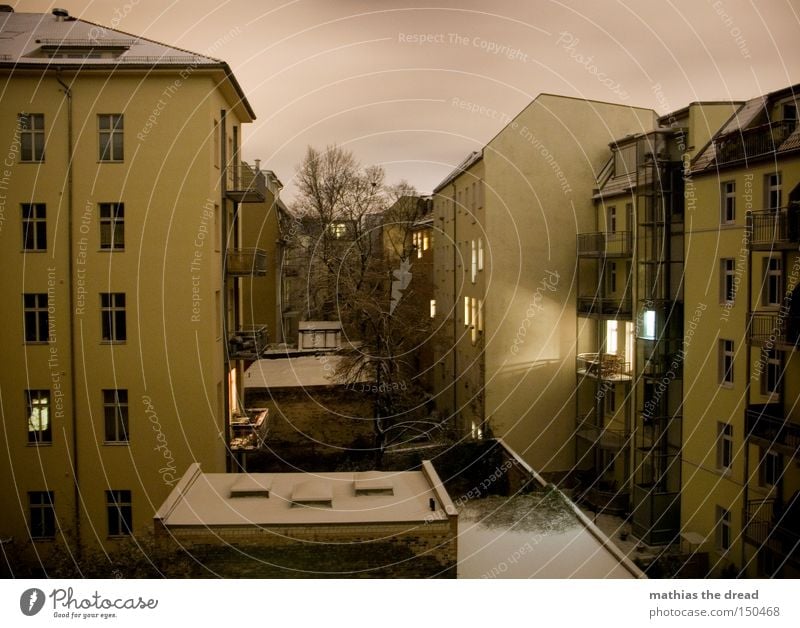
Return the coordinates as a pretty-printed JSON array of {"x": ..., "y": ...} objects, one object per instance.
[
  {"x": 43, "y": 539},
  {"x": 728, "y": 225},
  {"x": 36, "y": 342},
  {"x": 117, "y": 443},
  {"x": 40, "y": 444},
  {"x": 724, "y": 473},
  {"x": 26, "y": 251},
  {"x": 113, "y": 342},
  {"x": 117, "y": 250},
  {"x": 34, "y": 162},
  {"x": 110, "y": 161},
  {"x": 726, "y": 385}
]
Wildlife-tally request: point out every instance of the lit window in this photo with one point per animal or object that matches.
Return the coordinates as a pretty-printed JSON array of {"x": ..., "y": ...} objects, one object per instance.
[
  {"x": 474, "y": 261},
  {"x": 480, "y": 253},
  {"x": 474, "y": 318},
  {"x": 110, "y": 128},
  {"x": 38, "y": 415},
  {"x": 724, "y": 446},
  {"x": 31, "y": 136},
  {"x": 466, "y": 311},
  {"x": 34, "y": 227},
  {"x": 337, "y": 230},
  {"x": 433, "y": 308},
  {"x": 480, "y": 315},
  {"x": 612, "y": 336},
  {"x": 425, "y": 241},
  {"x": 649, "y": 325},
  {"x": 728, "y": 202}
]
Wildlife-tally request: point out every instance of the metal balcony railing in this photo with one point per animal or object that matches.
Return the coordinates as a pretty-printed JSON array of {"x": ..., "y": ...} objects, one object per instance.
[
  {"x": 775, "y": 328},
  {"x": 605, "y": 244},
  {"x": 241, "y": 184},
  {"x": 605, "y": 366},
  {"x": 773, "y": 525},
  {"x": 768, "y": 422},
  {"x": 759, "y": 140},
  {"x": 611, "y": 307},
  {"x": 774, "y": 228},
  {"x": 246, "y": 262},
  {"x": 248, "y": 342},
  {"x": 601, "y": 436}
]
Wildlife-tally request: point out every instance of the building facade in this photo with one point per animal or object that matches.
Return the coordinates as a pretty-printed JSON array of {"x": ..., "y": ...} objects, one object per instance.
[{"x": 120, "y": 189}]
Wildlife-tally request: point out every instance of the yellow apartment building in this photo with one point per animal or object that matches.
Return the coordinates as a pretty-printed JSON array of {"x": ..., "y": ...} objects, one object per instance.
[
  {"x": 505, "y": 223},
  {"x": 118, "y": 199},
  {"x": 741, "y": 477},
  {"x": 630, "y": 333}
]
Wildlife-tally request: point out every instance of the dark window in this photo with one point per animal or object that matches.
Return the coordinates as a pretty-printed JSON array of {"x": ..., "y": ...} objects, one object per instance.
[
  {"x": 112, "y": 312},
  {"x": 31, "y": 136},
  {"x": 34, "y": 227},
  {"x": 36, "y": 319},
  {"x": 110, "y": 128},
  {"x": 43, "y": 516},
  {"x": 112, "y": 225},
  {"x": 120, "y": 513},
  {"x": 115, "y": 411},
  {"x": 39, "y": 416}
]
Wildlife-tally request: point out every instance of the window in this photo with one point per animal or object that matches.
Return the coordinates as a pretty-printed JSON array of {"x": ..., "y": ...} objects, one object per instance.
[
  {"x": 112, "y": 226},
  {"x": 110, "y": 127},
  {"x": 337, "y": 230},
  {"x": 34, "y": 227},
  {"x": 115, "y": 411},
  {"x": 480, "y": 315},
  {"x": 771, "y": 382},
  {"x": 474, "y": 261},
  {"x": 474, "y": 318},
  {"x": 649, "y": 325},
  {"x": 769, "y": 472},
  {"x": 724, "y": 446},
  {"x": 468, "y": 197},
  {"x": 481, "y": 193},
  {"x": 466, "y": 311},
  {"x": 625, "y": 160},
  {"x": 43, "y": 516},
  {"x": 112, "y": 313},
  {"x": 120, "y": 513},
  {"x": 773, "y": 282},
  {"x": 425, "y": 241},
  {"x": 611, "y": 220},
  {"x": 38, "y": 413},
  {"x": 612, "y": 277},
  {"x": 31, "y": 136},
  {"x": 630, "y": 225},
  {"x": 480, "y": 253},
  {"x": 36, "y": 319},
  {"x": 612, "y": 336},
  {"x": 611, "y": 399},
  {"x": 728, "y": 202},
  {"x": 723, "y": 528},
  {"x": 433, "y": 308},
  {"x": 790, "y": 112},
  {"x": 726, "y": 362},
  {"x": 727, "y": 271},
  {"x": 772, "y": 186}
]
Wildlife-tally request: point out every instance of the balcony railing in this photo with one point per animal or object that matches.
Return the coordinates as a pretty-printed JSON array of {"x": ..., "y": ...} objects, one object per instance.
[
  {"x": 246, "y": 262},
  {"x": 770, "y": 524},
  {"x": 248, "y": 342},
  {"x": 605, "y": 244},
  {"x": 602, "y": 436},
  {"x": 774, "y": 228},
  {"x": 776, "y": 329},
  {"x": 604, "y": 498},
  {"x": 613, "y": 308},
  {"x": 242, "y": 185},
  {"x": 604, "y": 366},
  {"x": 759, "y": 140},
  {"x": 769, "y": 423}
]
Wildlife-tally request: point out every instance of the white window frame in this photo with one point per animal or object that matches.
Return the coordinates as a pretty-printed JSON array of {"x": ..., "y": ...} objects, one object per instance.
[
  {"x": 724, "y": 446},
  {"x": 727, "y": 273},
  {"x": 728, "y": 202},
  {"x": 773, "y": 282},
  {"x": 773, "y": 190},
  {"x": 726, "y": 362}
]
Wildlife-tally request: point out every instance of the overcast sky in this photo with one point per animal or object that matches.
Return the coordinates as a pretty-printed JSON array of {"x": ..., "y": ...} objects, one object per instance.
[{"x": 394, "y": 80}]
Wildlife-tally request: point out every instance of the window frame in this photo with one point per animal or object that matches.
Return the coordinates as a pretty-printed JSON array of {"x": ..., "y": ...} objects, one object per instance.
[
  {"x": 110, "y": 126},
  {"x": 119, "y": 513},
  {"x": 727, "y": 274},
  {"x": 112, "y": 317},
  {"x": 773, "y": 190},
  {"x": 773, "y": 282},
  {"x": 727, "y": 195},
  {"x": 724, "y": 534},
  {"x": 769, "y": 468},
  {"x": 34, "y": 227},
  {"x": 116, "y": 416},
  {"x": 28, "y": 137},
  {"x": 43, "y": 397},
  {"x": 727, "y": 354},
  {"x": 111, "y": 225},
  {"x": 724, "y": 447},
  {"x": 41, "y": 515},
  {"x": 38, "y": 315}
]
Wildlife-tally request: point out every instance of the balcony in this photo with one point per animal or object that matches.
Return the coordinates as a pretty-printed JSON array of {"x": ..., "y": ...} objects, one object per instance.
[
  {"x": 242, "y": 184},
  {"x": 605, "y": 244},
  {"x": 768, "y": 423},
  {"x": 249, "y": 432},
  {"x": 774, "y": 229},
  {"x": 774, "y": 330},
  {"x": 603, "y": 366},
  {"x": 601, "y": 436},
  {"x": 608, "y": 308},
  {"x": 755, "y": 142},
  {"x": 245, "y": 262},
  {"x": 656, "y": 514},
  {"x": 603, "y": 496},
  {"x": 775, "y": 526},
  {"x": 248, "y": 343}
]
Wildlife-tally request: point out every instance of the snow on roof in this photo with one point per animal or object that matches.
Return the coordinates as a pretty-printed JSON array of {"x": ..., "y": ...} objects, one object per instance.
[
  {"x": 204, "y": 499},
  {"x": 318, "y": 325},
  {"x": 303, "y": 371}
]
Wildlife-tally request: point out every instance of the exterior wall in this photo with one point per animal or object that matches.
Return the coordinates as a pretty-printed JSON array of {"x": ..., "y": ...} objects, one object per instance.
[
  {"x": 423, "y": 549},
  {"x": 170, "y": 272},
  {"x": 540, "y": 171},
  {"x": 707, "y": 401}
]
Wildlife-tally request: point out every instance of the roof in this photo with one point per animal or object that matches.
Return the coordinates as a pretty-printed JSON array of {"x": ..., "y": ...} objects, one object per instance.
[
  {"x": 471, "y": 159},
  {"x": 39, "y": 40},
  {"x": 293, "y": 372},
  {"x": 319, "y": 325},
  {"x": 205, "y": 499}
]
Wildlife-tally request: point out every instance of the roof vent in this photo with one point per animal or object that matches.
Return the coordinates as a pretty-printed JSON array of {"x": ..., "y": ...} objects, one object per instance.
[
  {"x": 61, "y": 14},
  {"x": 312, "y": 493},
  {"x": 251, "y": 486},
  {"x": 373, "y": 483}
]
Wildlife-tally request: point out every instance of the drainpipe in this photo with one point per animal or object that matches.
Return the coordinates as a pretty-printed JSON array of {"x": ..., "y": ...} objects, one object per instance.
[
  {"x": 224, "y": 300},
  {"x": 70, "y": 273},
  {"x": 455, "y": 303}
]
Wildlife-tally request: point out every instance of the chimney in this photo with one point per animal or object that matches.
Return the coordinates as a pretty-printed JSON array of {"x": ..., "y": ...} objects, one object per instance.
[
  {"x": 61, "y": 14},
  {"x": 258, "y": 164}
]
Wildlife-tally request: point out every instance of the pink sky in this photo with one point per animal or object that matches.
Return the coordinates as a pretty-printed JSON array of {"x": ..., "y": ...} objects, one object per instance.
[{"x": 395, "y": 81}]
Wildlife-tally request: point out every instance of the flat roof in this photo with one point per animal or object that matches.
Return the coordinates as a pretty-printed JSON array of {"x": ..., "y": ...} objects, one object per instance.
[
  {"x": 206, "y": 500},
  {"x": 293, "y": 372}
]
